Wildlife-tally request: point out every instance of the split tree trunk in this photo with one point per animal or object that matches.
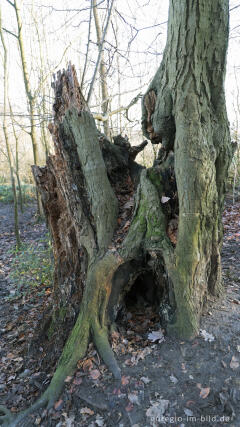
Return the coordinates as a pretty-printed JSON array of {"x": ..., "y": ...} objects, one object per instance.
[{"x": 100, "y": 245}]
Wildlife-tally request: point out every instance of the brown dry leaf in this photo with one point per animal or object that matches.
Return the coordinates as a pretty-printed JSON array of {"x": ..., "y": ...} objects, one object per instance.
[
  {"x": 77, "y": 381},
  {"x": 68, "y": 379},
  {"x": 86, "y": 364},
  {"x": 9, "y": 326},
  {"x": 234, "y": 364},
  {"x": 72, "y": 389},
  {"x": 125, "y": 380},
  {"x": 22, "y": 337},
  {"x": 129, "y": 407},
  {"x": 95, "y": 374},
  {"x": 172, "y": 236},
  {"x": 115, "y": 335},
  {"x": 10, "y": 356},
  {"x": 87, "y": 411},
  {"x": 204, "y": 392},
  {"x": 190, "y": 402},
  {"x": 58, "y": 405},
  {"x": 126, "y": 226}
]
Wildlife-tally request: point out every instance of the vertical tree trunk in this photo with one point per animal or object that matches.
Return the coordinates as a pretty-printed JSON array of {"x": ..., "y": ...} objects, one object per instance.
[
  {"x": 5, "y": 131},
  {"x": 102, "y": 70},
  {"x": 184, "y": 109},
  {"x": 88, "y": 46},
  {"x": 42, "y": 108},
  {"x": 20, "y": 197},
  {"x": 30, "y": 97}
]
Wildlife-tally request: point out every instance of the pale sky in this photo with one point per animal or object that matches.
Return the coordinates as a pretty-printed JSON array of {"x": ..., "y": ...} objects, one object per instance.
[{"x": 70, "y": 29}]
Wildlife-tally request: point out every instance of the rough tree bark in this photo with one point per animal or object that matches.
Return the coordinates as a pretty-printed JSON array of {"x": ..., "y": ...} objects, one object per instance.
[
  {"x": 98, "y": 257},
  {"x": 185, "y": 110}
]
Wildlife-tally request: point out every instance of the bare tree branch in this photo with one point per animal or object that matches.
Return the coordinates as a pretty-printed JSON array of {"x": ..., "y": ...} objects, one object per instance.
[
  {"x": 53, "y": 9},
  {"x": 88, "y": 43},
  {"x": 12, "y": 4},
  {"x": 105, "y": 117},
  {"x": 235, "y": 7},
  {"x": 99, "y": 54},
  {"x": 10, "y": 32}
]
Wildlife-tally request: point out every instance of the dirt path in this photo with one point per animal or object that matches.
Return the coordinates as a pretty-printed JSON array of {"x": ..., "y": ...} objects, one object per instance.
[{"x": 165, "y": 382}]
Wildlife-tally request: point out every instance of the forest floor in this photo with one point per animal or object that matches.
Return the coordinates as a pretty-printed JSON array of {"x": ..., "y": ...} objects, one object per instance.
[{"x": 164, "y": 381}]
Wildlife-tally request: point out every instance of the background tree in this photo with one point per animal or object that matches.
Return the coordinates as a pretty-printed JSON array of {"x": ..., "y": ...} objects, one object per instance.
[
  {"x": 16, "y": 136},
  {"x": 31, "y": 96},
  {"x": 102, "y": 66},
  {"x": 6, "y": 136},
  {"x": 101, "y": 246}
]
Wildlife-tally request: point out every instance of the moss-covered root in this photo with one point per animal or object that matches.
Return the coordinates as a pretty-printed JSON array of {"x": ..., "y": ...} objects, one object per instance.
[
  {"x": 75, "y": 349},
  {"x": 8, "y": 419},
  {"x": 49, "y": 397},
  {"x": 100, "y": 338},
  {"x": 185, "y": 325},
  {"x": 88, "y": 321}
]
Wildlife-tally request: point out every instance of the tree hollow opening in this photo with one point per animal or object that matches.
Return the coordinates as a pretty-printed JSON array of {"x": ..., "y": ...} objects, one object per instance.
[
  {"x": 144, "y": 292},
  {"x": 140, "y": 304}
]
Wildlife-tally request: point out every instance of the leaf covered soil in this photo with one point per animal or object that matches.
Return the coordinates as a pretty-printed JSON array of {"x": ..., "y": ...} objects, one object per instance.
[{"x": 163, "y": 380}]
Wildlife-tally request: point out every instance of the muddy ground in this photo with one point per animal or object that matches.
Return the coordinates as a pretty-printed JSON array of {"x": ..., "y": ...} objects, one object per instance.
[{"x": 164, "y": 381}]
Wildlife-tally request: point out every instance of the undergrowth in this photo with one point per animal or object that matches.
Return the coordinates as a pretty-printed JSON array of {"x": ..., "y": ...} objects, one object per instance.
[
  {"x": 32, "y": 265},
  {"x": 6, "y": 195}
]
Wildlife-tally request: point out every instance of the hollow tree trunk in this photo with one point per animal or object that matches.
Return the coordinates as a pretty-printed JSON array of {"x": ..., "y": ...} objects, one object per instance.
[
  {"x": 100, "y": 244},
  {"x": 83, "y": 187},
  {"x": 184, "y": 109}
]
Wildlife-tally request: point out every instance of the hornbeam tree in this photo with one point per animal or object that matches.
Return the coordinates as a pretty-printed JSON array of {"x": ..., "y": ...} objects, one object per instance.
[{"x": 112, "y": 220}]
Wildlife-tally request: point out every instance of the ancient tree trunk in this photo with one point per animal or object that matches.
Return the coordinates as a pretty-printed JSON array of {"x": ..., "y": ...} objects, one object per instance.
[
  {"x": 111, "y": 219},
  {"x": 184, "y": 109}
]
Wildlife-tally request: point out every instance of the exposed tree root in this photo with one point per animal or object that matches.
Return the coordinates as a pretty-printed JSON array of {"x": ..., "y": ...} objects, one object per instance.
[
  {"x": 100, "y": 339},
  {"x": 88, "y": 323},
  {"x": 102, "y": 406},
  {"x": 66, "y": 368}
]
